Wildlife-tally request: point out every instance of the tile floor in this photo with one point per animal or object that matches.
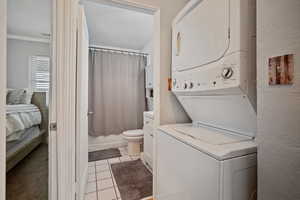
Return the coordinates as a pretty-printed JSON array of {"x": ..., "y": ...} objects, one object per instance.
[{"x": 101, "y": 183}]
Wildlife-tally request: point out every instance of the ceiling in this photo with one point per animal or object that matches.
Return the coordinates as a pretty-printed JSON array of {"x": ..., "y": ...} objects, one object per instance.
[
  {"x": 109, "y": 25},
  {"x": 119, "y": 27},
  {"x": 30, "y": 18}
]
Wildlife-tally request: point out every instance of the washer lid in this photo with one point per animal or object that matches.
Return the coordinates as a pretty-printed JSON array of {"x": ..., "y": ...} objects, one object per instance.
[
  {"x": 201, "y": 33},
  {"x": 217, "y": 144},
  {"x": 210, "y": 136}
]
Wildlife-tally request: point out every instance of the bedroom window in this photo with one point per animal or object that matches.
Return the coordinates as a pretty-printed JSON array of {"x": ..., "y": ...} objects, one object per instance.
[{"x": 40, "y": 73}]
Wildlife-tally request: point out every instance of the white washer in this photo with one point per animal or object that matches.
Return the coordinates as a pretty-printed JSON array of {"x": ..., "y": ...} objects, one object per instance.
[
  {"x": 214, "y": 78},
  {"x": 208, "y": 164}
]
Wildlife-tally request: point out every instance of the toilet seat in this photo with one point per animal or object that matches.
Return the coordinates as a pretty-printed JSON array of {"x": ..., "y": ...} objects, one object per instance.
[{"x": 134, "y": 133}]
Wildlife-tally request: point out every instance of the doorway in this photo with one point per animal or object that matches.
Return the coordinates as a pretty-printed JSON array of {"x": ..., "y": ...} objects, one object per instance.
[
  {"x": 120, "y": 92},
  {"x": 27, "y": 98}
]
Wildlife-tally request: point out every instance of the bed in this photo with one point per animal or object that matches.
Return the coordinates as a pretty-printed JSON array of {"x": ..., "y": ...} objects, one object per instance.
[{"x": 26, "y": 128}]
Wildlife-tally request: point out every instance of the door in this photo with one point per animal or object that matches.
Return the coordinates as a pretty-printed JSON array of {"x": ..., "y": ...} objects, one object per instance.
[
  {"x": 82, "y": 104},
  {"x": 197, "y": 42},
  {"x": 183, "y": 171}
]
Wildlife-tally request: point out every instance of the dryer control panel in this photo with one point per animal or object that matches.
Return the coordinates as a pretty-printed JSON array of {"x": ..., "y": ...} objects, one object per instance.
[{"x": 220, "y": 75}]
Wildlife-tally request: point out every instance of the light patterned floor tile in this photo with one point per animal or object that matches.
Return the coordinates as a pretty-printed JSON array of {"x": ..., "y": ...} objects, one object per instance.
[
  {"x": 101, "y": 168},
  {"x": 108, "y": 194},
  {"x": 91, "y": 187},
  {"x": 125, "y": 158},
  {"x": 100, "y": 178},
  {"x": 91, "y": 170},
  {"x": 101, "y": 162},
  {"x": 91, "y": 196},
  {"x": 113, "y": 160},
  {"x": 92, "y": 177},
  {"x": 105, "y": 184},
  {"x": 135, "y": 157},
  {"x": 103, "y": 175}
]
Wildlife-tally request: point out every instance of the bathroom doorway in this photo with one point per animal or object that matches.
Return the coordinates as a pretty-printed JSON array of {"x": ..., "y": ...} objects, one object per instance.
[
  {"x": 121, "y": 46},
  {"x": 120, "y": 71}
]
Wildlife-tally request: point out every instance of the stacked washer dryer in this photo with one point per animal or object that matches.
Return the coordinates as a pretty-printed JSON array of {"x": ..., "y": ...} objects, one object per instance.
[{"x": 214, "y": 78}]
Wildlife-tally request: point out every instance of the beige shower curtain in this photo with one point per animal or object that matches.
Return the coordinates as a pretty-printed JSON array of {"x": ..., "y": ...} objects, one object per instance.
[{"x": 116, "y": 92}]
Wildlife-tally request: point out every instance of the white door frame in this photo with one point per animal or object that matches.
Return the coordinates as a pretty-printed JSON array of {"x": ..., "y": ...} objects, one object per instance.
[
  {"x": 62, "y": 104},
  {"x": 3, "y": 50},
  {"x": 82, "y": 104},
  {"x": 3, "y": 88},
  {"x": 65, "y": 59},
  {"x": 156, "y": 61},
  {"x": 52, "y": 187}
]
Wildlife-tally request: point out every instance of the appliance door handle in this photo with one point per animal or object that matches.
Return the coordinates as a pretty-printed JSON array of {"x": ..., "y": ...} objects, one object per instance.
[
  {"x": 178, "y": 44},
  {"x": 90, "y": 113}
]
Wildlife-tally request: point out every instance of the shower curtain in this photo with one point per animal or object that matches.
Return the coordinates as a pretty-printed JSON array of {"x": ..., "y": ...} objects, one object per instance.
[{"x": 116, "y": 92}]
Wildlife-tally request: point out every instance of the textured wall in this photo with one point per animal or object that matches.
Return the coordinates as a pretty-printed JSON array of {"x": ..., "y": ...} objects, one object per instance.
[
  {"x": 278, "y": 106},
  {"x": 18, "y": 53}
]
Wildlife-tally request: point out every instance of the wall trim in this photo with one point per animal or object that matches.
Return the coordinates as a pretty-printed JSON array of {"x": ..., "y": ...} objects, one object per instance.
[{"x": 28, "y": 38}]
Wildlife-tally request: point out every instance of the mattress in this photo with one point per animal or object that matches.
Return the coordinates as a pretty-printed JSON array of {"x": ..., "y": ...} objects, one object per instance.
[
  {"x": 19, "y": 118},
  {"x": 28, "y": 135}
]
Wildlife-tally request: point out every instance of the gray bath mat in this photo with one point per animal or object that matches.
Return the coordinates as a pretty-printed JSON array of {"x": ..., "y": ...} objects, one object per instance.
[
  {"x": 134, "y": 180},
  {"x": 104, "y": 154}
]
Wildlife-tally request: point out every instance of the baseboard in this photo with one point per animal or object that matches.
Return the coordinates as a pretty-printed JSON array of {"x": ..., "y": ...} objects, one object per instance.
[
  {"x": 147, "y": 162},
  {"x": 108, "y": 145}
]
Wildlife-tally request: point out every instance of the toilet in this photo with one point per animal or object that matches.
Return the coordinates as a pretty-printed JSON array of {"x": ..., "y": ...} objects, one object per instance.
[{"x": 134, "y": 139}]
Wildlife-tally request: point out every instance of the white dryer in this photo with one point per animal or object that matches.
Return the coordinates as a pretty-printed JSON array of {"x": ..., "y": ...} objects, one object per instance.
[{"x": 214, "y": 78}]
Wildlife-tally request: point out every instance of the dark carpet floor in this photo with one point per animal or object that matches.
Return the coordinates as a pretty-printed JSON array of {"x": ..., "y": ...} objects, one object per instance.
[
  {"x": 29, "y": 179},
  {"x": 134, "y": 180},
  {"x": 104, "y": 154}
]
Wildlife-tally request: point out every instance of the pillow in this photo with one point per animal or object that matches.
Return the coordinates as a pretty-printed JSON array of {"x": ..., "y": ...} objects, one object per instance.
[
  {"x": 16, "y": 96},
  {"x": 28, "y": 98}
]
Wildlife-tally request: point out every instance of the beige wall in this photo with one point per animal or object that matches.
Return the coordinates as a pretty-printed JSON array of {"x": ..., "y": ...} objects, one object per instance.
[
  {"x": 278, "y": 107},
  {"x": 167, "y": 108}
]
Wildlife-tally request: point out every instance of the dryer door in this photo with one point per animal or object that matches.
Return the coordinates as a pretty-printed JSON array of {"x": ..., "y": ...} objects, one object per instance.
[{"x": 201, "y": 34}]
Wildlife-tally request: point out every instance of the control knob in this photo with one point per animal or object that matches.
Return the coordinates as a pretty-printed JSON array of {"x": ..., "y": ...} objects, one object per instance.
[
  {"x": 185, "y": 85},
  {"x": 227, "y": 72}
]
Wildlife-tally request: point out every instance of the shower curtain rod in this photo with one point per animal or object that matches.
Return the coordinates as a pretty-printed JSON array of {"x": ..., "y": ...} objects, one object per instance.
[{"x": 118, "y": 50}]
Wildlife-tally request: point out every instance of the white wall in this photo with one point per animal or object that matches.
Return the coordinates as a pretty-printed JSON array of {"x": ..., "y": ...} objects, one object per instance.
[
  {"x": 148, "y": 48},
  {"x": 167, "y": 108},
  {"x": 278, "y": 107},
  {"x": 18, "y": 53}
]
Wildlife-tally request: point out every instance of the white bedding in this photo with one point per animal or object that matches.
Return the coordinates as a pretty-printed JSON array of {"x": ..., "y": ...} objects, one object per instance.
[{"x": 20, "y": 117}]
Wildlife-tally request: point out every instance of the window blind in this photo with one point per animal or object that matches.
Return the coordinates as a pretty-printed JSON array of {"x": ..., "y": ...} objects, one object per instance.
[{"x": 40, "y": 74}]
